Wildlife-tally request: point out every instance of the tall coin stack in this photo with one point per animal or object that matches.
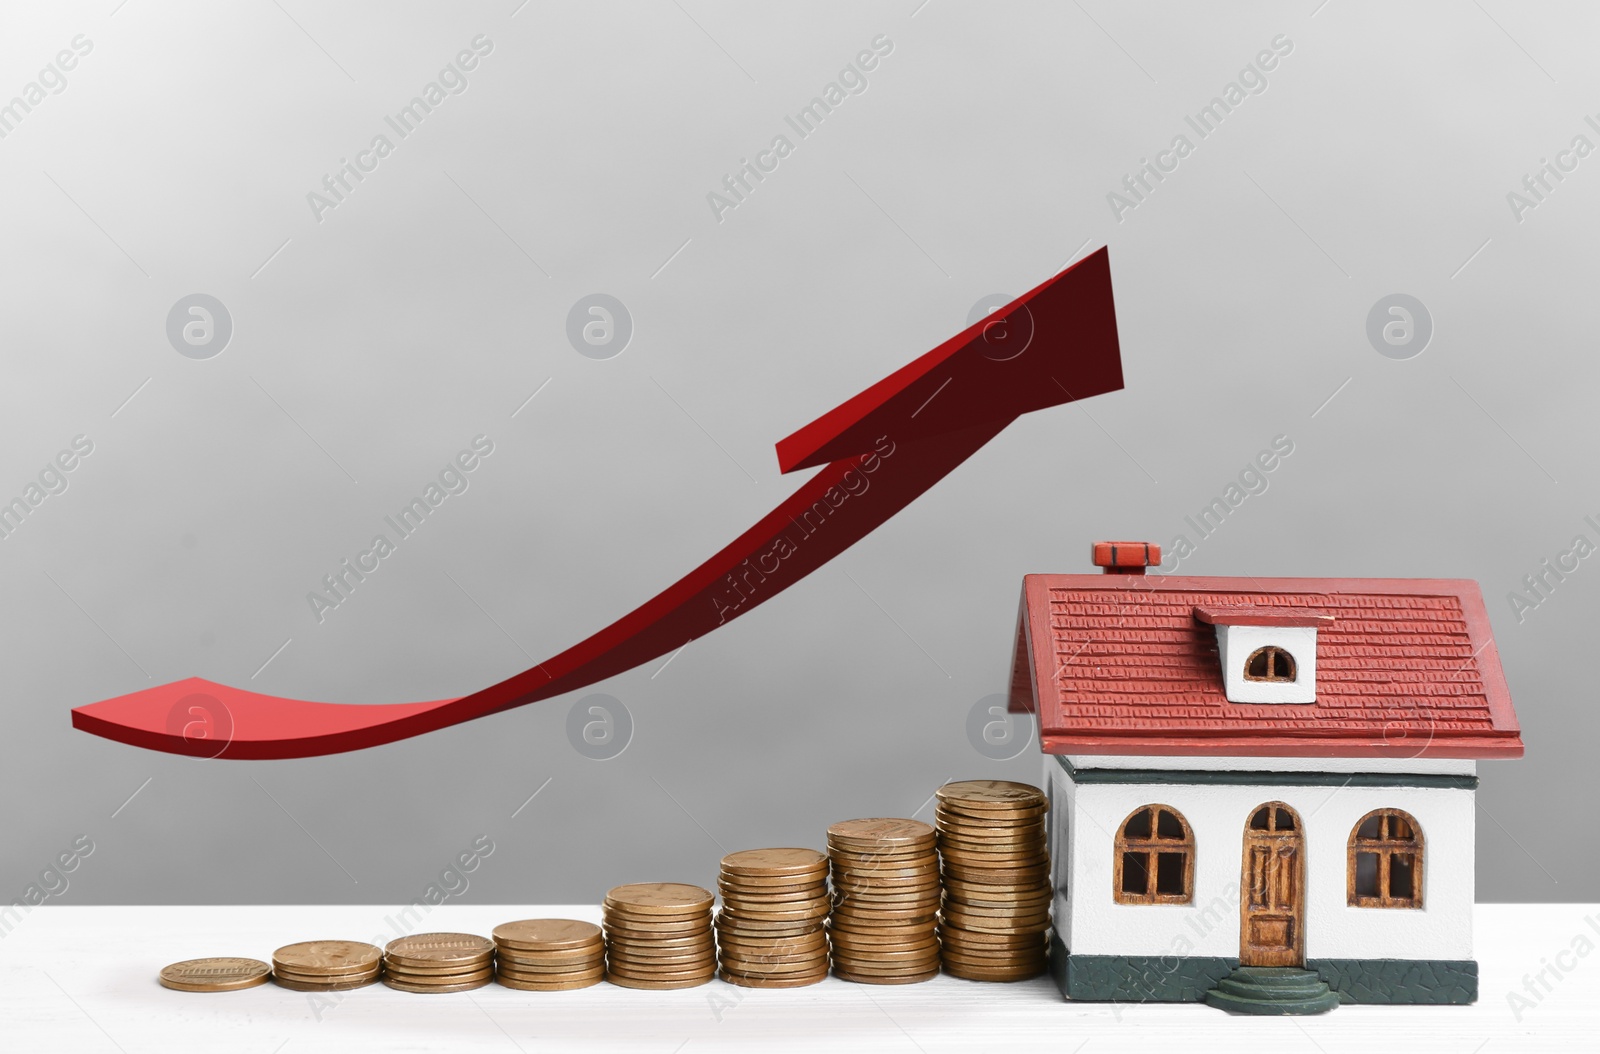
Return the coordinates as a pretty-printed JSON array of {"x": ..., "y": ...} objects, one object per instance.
[
  {"x": 658, "y": 935},
  {"x": 995, "y": 917},
  {"x": 770, "y": 928},
  {"x": 885, "y": 901},
  {"x": 326, "y": 966},
  {"x": 438, "y": 962},
  {"x": 549, "y": 955}
]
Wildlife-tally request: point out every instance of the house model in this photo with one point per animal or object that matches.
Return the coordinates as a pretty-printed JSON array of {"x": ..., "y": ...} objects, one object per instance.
[{"x": 1261, "y": 789}]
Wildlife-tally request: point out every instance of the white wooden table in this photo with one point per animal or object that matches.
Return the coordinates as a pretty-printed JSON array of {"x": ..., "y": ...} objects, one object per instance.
[{"x": 83, "y": 979}]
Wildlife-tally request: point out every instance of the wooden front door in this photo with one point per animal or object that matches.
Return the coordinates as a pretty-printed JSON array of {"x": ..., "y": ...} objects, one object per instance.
[{"x": 1272, "y": 898}]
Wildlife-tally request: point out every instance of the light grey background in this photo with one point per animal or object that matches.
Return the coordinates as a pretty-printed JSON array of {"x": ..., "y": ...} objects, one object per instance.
[{"x": 426, "y": 308}]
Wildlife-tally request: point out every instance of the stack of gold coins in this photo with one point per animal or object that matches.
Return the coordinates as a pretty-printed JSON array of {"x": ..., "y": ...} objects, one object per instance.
[
  {"x": 326, "y": 966},
  {"x": 658, "y": 935},
  {"x": 217, "y": 974},
  {"x": 438, "y": 962},
  {"x": 885, "y": 901},
  {"x": 995, "y": 917},
  {"x": 549, "y": 955},
  {"x": 770, "y": 929}
]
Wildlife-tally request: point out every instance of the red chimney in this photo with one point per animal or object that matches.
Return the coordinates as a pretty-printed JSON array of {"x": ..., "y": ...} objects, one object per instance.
[{"x": 1126, "y": 558}]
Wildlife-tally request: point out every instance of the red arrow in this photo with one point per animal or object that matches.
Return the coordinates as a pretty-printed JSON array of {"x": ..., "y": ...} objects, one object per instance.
[{"x": 880, "y": 450}]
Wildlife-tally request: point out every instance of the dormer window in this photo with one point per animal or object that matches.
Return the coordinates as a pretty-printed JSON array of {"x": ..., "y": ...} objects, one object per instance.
[
  {"x": 1269, "y": 664},
  {"x": 1268, "y": 654}
]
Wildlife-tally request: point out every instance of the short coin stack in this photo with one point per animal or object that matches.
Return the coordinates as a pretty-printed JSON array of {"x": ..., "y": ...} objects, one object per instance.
[
  {"x": 885, "y": 901},
  {"x": 770, "y": 928},
  {"x": 326, "y": 966},
  {"x": 658, "y": 935},
  {"x": 438, "y": 962},
  {"x": 996, "y": 870},
  {"x": 549, "y": 955}
]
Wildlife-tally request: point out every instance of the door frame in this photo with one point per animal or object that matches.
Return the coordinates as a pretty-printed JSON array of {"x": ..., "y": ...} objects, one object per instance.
[{"x": 1294, "y": 910}]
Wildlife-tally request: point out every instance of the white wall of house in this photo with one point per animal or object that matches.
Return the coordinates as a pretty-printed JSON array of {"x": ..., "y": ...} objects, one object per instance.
[
  {"x": 1091, "y": 922},
  {"x": 1449, "y": 766}
]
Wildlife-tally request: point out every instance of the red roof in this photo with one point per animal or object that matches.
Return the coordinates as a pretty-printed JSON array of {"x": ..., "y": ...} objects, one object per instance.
[{"x": 1123, "y": 664}]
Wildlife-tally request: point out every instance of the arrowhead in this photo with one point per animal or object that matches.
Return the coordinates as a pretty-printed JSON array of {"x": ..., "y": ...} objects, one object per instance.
[{"x": 1053, "y": 344}]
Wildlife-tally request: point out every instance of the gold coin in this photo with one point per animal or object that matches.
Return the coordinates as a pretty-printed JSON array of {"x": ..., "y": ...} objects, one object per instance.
[
  {"x": 546, "y": 934},
  {"x": 733, "y": 897},
  {"x": 991, "y": 794},
  {"x": 812, "y": 939},
  {"x": 746, "y": 951},
  {"x": 432, "y": 989},
  {"x": 326, "y": 957},
  {"x": 809, "y": 912},
  {"x": 660, "y": 898},
  {"x": 591, "y": 975},
  {"x": 657, "y": 985},
  {"x": 775, "y": 862},
  {"x": 426, "y": 968},
  {"x": 880, "y": 831},
  {"x": 886, "y": 898},
  {"x": 996, "y": 876},
  {"x": 844, "y": 857},
  {"x": 655, "y": 923},
  {"x": 1008, "y": 958},
  {"x": 1011, "y": 909},
  {"x": 997, "y": 889},
  {"x": 967, "y": 941},
  {"x": 779, "y": 981},
  {"x": 662, "y": 961},
  {"x": 295, "y": 985},
  {"x": 777, "y": 881},
  {"x": 849, "y": 909},
  {"x": 914, "y": 952},
  {"x": 758, "y": 968},
  {"x": 612, "y": 912},
  {"x": 676, "y": 940},
  {"x": 645, "y": 973},
  {"x": 311, "y": 977},
  {"x": 551, "y": 962},
  {"x": 846, "y": 975},
  {"x": 548, "y": 986},
  {"x": 859, "y": 943},
  {"x": 943, "y": 814},
  {"x": 991, "y": 846},
  {"x": 782, "y": 955},
  {"x": 1023, "y": 930},
  {"x": 883, "y": 927},
  {"x": 971, "y": 973},
  {"x": 441, "y": 948},
  {"x": 216, "y": 974},
  {"x": 325, "y": 978}
]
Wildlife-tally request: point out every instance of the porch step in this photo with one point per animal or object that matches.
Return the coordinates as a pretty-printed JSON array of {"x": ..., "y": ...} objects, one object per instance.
[{"x": 1272, "y": 990}]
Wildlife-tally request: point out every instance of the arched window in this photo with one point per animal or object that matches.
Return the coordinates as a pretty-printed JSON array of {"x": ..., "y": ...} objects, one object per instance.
[
  {"x": 1269, "y": 664},
  {"x": 1385, "y": 865},
  {"x": 1154, "y": 858}
]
